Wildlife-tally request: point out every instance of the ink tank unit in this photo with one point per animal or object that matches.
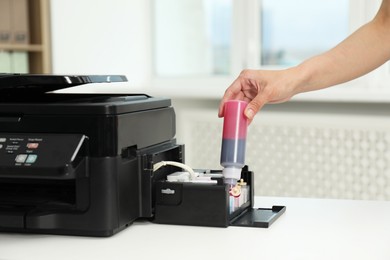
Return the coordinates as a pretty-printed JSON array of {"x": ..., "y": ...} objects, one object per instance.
[
  {"x": 216, "y": 198},
  {"x": 208, "y": 201}
]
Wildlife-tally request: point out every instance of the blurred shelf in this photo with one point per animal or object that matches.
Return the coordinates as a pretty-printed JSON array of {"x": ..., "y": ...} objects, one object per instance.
[
  {"x": 38, "y": 46},
  {"x": 22, "y": 47}
]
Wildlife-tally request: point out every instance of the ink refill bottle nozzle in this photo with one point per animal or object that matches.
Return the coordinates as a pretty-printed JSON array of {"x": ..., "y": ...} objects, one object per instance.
[{"x": 233, "y": 140}]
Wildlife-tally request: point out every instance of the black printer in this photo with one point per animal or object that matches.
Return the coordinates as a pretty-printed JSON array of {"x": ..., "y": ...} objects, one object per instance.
[
  {"x": 82, "y": 164},
  {"x": 73, "y": 163}
]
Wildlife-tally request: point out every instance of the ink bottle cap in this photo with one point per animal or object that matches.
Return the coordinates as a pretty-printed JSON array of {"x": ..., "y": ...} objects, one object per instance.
[{"x": 231, "y": 175}]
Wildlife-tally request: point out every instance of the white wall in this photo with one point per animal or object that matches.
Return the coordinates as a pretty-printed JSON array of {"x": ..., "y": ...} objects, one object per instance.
[{"x": 102, "y": 37}]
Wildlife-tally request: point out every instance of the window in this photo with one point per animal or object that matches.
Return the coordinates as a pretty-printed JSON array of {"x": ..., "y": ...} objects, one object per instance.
[
  {"x": 192, "y": 37},
  {"x": 200, "y": 46},
  {"x": 295, "y": 30}
]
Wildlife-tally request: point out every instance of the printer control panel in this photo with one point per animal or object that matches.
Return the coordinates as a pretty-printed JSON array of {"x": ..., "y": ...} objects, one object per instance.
[{"x": 38, "y": 150}]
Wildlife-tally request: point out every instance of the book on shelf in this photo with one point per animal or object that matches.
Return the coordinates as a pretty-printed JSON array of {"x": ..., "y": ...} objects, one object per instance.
[
  {"x": 14, "y": 22},
  {"x": 14, "y": 62},
  {"x": 5, "y": 62},
  {"x": 19, "y": 62},
  {"x": 5, "y": 21},
  {"x": 19, "y": 22}
]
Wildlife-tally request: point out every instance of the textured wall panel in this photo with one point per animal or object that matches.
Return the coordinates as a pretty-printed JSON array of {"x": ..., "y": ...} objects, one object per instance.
[{"x": 303, "y": 154}]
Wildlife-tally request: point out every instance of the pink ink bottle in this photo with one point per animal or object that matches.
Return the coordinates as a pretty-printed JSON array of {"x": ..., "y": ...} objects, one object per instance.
[{"x": 233, "y": 140}]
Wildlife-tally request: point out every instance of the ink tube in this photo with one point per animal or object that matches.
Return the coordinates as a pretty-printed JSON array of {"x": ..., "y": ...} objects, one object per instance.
[{"x": 233, "y": 140}]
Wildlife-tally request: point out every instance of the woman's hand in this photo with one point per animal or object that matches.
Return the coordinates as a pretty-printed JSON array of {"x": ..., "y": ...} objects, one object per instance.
[{"x": 259, "y": 87}]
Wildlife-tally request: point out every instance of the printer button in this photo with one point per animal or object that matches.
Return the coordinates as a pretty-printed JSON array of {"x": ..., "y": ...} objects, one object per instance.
[
  {"x": 32, "y": 145},
  {"x": 31, "y": 158},
  {"x": 20, "y": 158}
]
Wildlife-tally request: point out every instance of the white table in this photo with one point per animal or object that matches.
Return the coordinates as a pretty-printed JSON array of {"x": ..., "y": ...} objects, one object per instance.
[{"x": 309, "y": 229}]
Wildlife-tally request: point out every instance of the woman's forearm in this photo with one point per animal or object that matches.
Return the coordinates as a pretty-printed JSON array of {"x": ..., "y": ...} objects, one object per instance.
[{"x": 362, "y": 52}]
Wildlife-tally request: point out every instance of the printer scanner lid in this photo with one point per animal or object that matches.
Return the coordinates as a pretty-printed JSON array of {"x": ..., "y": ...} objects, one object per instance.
[
  {"x": 33, "y": 93},
  {"x": 14, "y": 84}
]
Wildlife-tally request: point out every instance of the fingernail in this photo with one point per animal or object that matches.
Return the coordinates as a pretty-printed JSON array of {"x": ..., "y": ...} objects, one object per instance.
[{"x": 250, "y": 113}]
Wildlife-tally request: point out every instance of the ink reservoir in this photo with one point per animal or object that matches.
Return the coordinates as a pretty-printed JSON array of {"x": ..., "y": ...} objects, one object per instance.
[{"x": 180, "y": 200}]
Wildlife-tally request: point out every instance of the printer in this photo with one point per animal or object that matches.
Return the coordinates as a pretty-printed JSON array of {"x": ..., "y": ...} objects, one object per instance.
[{"x": 82, "y": 164}]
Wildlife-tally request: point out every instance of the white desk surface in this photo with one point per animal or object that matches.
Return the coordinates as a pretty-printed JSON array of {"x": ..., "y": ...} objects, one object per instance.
[{"x": 309, "y": 229}]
